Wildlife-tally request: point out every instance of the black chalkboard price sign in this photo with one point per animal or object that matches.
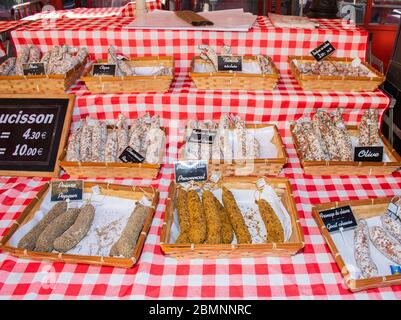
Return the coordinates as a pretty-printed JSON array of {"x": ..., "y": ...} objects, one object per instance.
[
  {"x": 369, "y": 154},
  {"x": 104, "y": 69},
  {"x": 186, "y": 171},
  {"x": 229, "y": 63},
  {"x": 323, "y": 51},
  {"x": 33, "y": 69},
  {"x": 336, "y": 218},
  {"x": 33, "y": 133}
]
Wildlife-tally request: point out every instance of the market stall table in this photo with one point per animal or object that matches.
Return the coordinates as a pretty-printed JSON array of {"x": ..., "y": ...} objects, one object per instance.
[
  {"x": 311, "y": 274},
  {"x": 91, "y": 13},
  {"x": 263, "y": 38},
  {"x": 183, "y": 101},
  {"x": 7, "y": 26}
]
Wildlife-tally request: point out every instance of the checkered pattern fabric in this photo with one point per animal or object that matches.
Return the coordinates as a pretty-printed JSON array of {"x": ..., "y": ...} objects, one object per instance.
[
  {"x": 311, "y": 274},
  {"x": 89, "y": 13},
  {"x": 98, "y": 34}
]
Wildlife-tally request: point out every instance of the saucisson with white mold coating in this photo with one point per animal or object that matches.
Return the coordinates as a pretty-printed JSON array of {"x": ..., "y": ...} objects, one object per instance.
[
  {"x": 85, "y": 149},
  {"x": 111, "y": 147},
  {"x": 122, "y": 135},
  {"x": 99, "y": 139},
  {"x": 386, "y": 245},
  {"x": 22, "y": 57},
  {"x": 157, "y": 141},
  {"x": 362, "y": 251},
  {"x": 34, "y": 54},
  {"x": 73, "y": 149},
  {"x": 7, "y": 66},
  {"x": 392, "y": 226}
]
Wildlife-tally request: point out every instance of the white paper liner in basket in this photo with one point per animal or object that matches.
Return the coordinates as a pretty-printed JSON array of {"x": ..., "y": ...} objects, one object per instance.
[
  {"x": 111, "y": 216},
  {"x": 345, "y": 247},
  {"x": 246, "y": 202}
]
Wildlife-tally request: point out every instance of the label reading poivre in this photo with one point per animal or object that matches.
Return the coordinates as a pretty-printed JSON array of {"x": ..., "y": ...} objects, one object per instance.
[
  {"x": 186, "y": 171},
  {"x": 369, "y": 154},
  {"x": 341, "y": 217},
  {"x": 67, "y": 189}
]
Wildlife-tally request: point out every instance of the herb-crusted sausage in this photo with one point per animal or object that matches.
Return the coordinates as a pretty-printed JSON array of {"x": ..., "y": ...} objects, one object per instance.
[
  {"x": 237, "y": 220},
  {"x": 197, "y": 220}
]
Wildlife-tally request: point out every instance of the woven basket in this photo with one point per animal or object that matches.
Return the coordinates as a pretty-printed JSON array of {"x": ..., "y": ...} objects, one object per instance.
[
  {"x": 114, "y": 190},
  {"x": 111, "y": 169},
  {"x": 335, "y": 83},
  {"x": 351, "y": 167},
  {"x": 257, "y": 167},
  {"x": 111, "y": 84},
  {"x": 361, "y": 209},
  {"x": 45, "y": 84},
  {"x": 234, "y": 80},
  {"x": 208, "y": 251}
]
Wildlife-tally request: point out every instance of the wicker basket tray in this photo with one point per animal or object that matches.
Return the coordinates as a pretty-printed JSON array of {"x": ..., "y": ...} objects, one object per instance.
[
  {"x": 264, "y": 167},
  {"x": 207, "y": 251},
  {"x": 110, "y": 84},
  {"x": 362, "y": 209},
  {"x": 45, "y": 84},
  {"x": 127, "y": 192},
  {"x": 234, "y": 80},
  {"x": 351, "y": 167},
  {"x": 335, "y": 83},
  {"x": 110, "y": 169}
]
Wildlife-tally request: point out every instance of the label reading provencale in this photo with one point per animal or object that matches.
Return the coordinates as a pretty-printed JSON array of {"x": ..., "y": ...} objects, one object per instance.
[
  {"x": 185, "y": 171},
  {"x": 104, "y": 69},
  {"x": 323, "y": 51},
  {"x": 33, "y": 69},
  {"x": 202, "y": 136},
  {"x": 129, "y": 155},
  {"x": 368, "y": 153},
  {"x": 229, "y": 63},
  {"x": 67, "y": 189},
  {"x": 341, "y": 217}
]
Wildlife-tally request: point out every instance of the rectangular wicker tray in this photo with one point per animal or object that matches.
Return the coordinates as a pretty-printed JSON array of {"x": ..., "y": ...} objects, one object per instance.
[
  {"x": 351, "y": 167},
  {"x": 110, "y": 169},
  {"x": 335, "y": 83},
  {"x": 115, "y": 190},
  {"x": 110, "y": 84},
  {"x": 234, "y": 80},
  {"x": 44, "y": 84},
  {"x": 206, "y": 251},
  {"x": 264, "y": 167},
  {"x": 362, "y": 209}
]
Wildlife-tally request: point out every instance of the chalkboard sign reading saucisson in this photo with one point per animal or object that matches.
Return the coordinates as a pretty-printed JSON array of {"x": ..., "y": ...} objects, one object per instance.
[{"x": 33, "y": 133}]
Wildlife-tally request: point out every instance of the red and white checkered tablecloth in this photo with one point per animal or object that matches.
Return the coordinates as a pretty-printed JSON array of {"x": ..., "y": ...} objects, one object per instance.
[
  {"x": 263, "y": 38},
  {"x": 311, "y": 274},
  {"x": 287, "y": 103},
  {"x": 88, "y": 13}
]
